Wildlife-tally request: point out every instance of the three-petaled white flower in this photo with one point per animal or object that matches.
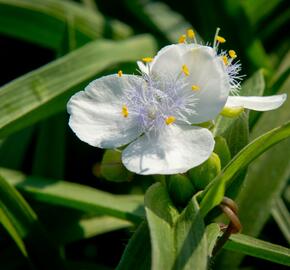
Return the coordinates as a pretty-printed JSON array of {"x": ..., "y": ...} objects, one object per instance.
[{"x": 184, "y": 84}]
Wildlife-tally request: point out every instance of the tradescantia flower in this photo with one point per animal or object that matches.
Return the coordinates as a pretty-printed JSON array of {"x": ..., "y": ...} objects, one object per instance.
[{"x": 153, "y": 114}]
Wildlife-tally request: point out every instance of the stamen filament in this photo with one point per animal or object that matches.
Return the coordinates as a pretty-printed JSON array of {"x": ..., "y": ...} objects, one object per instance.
[{"x": 215, "y": 41}]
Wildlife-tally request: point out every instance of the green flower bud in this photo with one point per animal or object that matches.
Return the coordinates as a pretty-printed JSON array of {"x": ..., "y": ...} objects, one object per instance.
[
  {"x": 180, "y": 189},
  {"x": 222, "y": 149},
  {"x": 202, "y": 175},
  {"x": 232, "y": 112},
  {"x": 112, "y": 168}
]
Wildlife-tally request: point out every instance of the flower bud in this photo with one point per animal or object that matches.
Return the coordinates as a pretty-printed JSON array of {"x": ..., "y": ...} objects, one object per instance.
[
  {"x": 222, "y": 150},
  {"x": 232, "y": 112},
  {"x": 180, "y": 189},
  {"x": 112, "y": 168},
  {"x": 202, "y": 175}
]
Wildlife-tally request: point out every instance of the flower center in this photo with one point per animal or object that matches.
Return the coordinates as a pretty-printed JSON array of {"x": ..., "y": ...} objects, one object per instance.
[{"x": 160, "y": 102}]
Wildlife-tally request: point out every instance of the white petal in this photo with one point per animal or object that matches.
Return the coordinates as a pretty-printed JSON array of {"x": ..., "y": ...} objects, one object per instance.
[
  {"x": 143, "y": 68},
  {"x": 207, "y": 71},
  {"x": 96, "y": 113},
  {"x": 176, "y": 150},
  {"x": 257, "y": 103},
  {"x": 168, "y": 62}
]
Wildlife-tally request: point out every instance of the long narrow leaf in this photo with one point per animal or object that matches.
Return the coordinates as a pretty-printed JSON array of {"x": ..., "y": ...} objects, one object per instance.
[
  {"x": 137, "y": 254},
  {"x": 239, "y": 162},
  {"x": 22, "y": 224},
  {"x": 160, "y": 17},
  {"x": 45, "y": 91},
  {"x": 282, "y": 217},
  {"x": 76, "y": 196},
  {"x": 86, "y": 228},
  {"x": 184, "y": 234},
  {"x": 45, "y": 22},
  {"x": 266, "y": 179},
  {"x": 258, "y": 248}
]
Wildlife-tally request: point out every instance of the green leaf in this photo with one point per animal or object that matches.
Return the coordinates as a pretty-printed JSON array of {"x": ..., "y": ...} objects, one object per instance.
[
  {"x": 273, "y": 168},
  {"x": 257, "y": 10},
  {"x": 76, "y": 196},
  {"x": 280, "y": 214},
  {"x": 161, "y": 18},
  {"x": 13, "y": 149},
  {"x": 178, "y": 240},
  {"x": 212, "y": 233},
  {"x": 86, "y": 228},
  {"x": 45, "y": 91},
  {"x": 208, "y": 198},
  {"x": 137, "y": 254},
  {"x": 23, "y": 226},
  {"x": 9, "y": 226},
  {"x": 255, "y": 85},
  {"x": 266, "y": 178},
  {"x": 45, "y": 22},
  {"x": 51, "y": 141},
  {"x": 258, "y": 248}
]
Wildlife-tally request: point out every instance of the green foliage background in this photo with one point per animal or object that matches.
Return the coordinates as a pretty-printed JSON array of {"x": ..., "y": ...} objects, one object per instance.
[{"x": 65, "y": 205}]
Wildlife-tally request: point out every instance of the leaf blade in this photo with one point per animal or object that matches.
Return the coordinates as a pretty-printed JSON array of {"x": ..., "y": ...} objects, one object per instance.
[
  {"x": 258, "y": 248},
  {"x": 239, "y": 162},
  {"x": 21, "y": 100},
  {"x": 76, "y": 196}
]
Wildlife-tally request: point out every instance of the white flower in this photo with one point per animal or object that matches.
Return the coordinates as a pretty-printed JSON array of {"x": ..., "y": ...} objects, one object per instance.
[{"x": 184, "y": 84}]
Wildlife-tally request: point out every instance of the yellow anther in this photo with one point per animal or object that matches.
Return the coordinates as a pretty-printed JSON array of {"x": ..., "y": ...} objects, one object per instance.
[
  {"x": 190, "y": 33},
  {"x": 232, "y": 54},
  {"x": 195, "y": 87},
  {"x": 147, "y": 59},
  {"x": 185, "y": 70},
  {"x": 169, "y": 120},
  {"x": 225, "y": 59},
  {"x": 220, "y": 39},
  {"x": 182, "y": 39},
  {"x": 120, "y": 73},
  {"x": 125, "y": 111}
]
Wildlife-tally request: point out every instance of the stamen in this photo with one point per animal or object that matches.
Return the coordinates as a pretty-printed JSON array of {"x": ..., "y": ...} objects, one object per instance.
[
  {"x": 169, "y": 120},
  {"x": 125, "y": 111},
  {"x": 182, "y": 39},
  {"x": 190, "y": 33},
  {"x": 185, "y": 70},
  {"x": 195, "y": 87},
  {"x": 232, "y": 54},
  {"x": 225, "y": 59},
  {"x": 220, "y": 39},
  {"x": 147, "y": 59},
  {"x": 120, "y": 73}
]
